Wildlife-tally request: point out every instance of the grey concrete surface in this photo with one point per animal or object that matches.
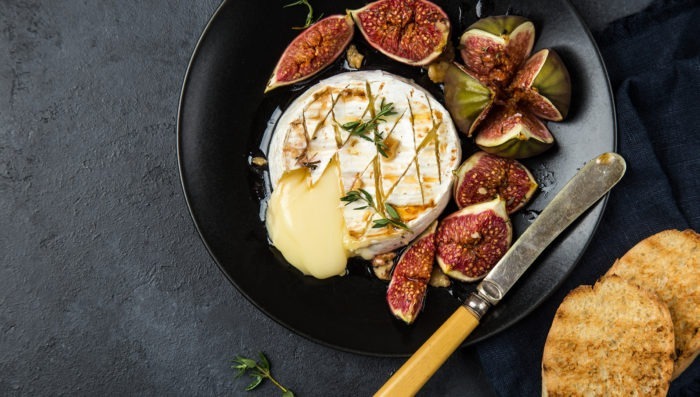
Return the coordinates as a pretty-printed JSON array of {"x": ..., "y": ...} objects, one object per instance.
[{"x": 105, "y": 286}]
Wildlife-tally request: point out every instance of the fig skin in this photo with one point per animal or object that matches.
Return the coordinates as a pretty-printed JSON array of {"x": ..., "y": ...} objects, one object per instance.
[
  {"x": 413, "y": 32},
  {"x": 544, "y": 85},
  {"x": 513, "y": 133},
  {"x": 409, "y": 280},
  {"x": 466, "y": 98},
  {"x": 494, "y": 47},
  {"x": 472, "y": 240},
  {"x": 484, "y": 176},
  {"x": 312, "y": 50}
]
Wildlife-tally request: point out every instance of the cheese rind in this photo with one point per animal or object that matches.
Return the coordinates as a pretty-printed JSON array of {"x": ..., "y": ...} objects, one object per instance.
[{"x": 416, "y": 178}]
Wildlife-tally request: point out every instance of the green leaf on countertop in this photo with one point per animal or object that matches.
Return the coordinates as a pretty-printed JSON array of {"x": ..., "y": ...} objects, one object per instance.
[
  {"x": 258, "y": 371},
  {"x": 255, "y": 383},
  {"x": 264, "y": 363}
]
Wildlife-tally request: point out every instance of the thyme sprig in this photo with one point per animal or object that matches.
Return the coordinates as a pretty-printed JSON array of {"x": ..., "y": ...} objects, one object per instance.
[
  {"x": 362, "y": 128},
  {"x": 307, "y": 162},
  {"x": 309, "y": 16},
  {"x": 259, "y": 371},
  {"x": 393, "y": 218}
]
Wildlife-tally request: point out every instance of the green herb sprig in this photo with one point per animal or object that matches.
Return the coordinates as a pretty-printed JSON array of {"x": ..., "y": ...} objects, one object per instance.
[
  {"x": 259, "y": 371},
  {"x": 394, "y": 219},
  {"x": 361, "y": 128},
  {"x": 362, "y": 195},
  {"x": 307, "y": 162},
  {"x": 309, "y": 16}
]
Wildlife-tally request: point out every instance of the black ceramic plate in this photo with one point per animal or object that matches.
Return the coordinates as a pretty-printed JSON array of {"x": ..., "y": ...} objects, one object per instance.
[{"x": 223, "y": 121}]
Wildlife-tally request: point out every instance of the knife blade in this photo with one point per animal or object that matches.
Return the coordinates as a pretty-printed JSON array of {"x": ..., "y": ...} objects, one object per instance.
[{"x": 586, "y": 187}]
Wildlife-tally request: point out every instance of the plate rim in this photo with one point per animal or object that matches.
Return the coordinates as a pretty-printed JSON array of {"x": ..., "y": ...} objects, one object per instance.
[{"x": 505, "y": 325}]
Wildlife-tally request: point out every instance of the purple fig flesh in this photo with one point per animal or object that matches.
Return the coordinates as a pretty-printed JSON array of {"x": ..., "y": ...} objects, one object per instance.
[
  {"x": 413, "y": 32},
  {"x": 544, "y": 85},
  {"x": 409, "y": 280},
  {"x": 472, "y": 240},
  {"x": 314, "y": 49},
  {"x": 494, "y": 47},
  {"x": 485, "y": 176},
  {"x": 513, "y": 133}
]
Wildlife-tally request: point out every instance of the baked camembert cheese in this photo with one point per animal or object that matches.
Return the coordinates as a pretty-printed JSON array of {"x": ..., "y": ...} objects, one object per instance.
[{"x": 405, "y": 162}]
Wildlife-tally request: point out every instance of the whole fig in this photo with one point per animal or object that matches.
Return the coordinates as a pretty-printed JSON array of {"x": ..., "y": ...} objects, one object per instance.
[{"x": 501, "y": 92}]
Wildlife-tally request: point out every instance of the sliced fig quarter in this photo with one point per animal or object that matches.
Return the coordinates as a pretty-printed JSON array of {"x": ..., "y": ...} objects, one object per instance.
[
  {"x": 312, "y": 51},
  {"x": 544, "y": 85},
  {"x": 494, "y": 47},
  {"x": 513, "y": 133},
  {"x": 472, "y": 240},
  {"x": 409, "y": 280},
  {"x": 484, "y": 176},
  {"x": 467, "y": 99},
  {"x": 413, "y": 32}
]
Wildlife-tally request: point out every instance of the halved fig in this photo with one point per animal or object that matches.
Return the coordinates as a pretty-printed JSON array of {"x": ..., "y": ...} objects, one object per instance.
[
  {"x": 472, "y": 240},
  {"x": 467, "y": 99},
  {"x": 312, "y": 51},
  {"x": 485, "y": 176},
  {"x": 544, "y": 85},
  {"x": 413, "y": 32},
  {"x": 513, "y": 133},
  {"x": 409, "y": 281},
  {"x": 494, "y": 47}
]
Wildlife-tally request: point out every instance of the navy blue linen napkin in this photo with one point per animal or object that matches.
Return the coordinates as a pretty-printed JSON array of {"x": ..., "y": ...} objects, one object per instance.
[{"x": 653, "y": 59}]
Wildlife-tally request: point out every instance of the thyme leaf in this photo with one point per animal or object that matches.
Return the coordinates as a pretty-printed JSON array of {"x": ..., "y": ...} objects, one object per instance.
[
  {"x": 361, "y": 128},
  {"x": 258, "y": 371},
  {"x": 357, "y": 195},
  {"x": 391, "y": 211},
  {"x": 394, "y": 219},
  {"x": 312, "y": 165},
  {"x": 307, "y": 162},
  {"x": 309, "y": 16}
]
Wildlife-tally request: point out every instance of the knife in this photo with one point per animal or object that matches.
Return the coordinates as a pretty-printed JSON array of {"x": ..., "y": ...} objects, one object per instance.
[{"x": 589, "y": 184}]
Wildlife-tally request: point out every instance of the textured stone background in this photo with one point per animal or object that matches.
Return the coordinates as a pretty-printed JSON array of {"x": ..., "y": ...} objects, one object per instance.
[{"x": 105, "y": 287}]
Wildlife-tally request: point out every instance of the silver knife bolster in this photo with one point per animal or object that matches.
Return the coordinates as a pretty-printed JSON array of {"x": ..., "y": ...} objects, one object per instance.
[{"x": 477, "y": 305}]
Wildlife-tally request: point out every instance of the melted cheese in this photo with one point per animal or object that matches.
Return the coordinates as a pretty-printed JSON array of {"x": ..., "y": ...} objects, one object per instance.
[{"x": 306, "y": 223}]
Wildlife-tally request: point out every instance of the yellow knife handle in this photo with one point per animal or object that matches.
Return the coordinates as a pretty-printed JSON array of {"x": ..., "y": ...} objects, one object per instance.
[{"x": 415, "y": 372}]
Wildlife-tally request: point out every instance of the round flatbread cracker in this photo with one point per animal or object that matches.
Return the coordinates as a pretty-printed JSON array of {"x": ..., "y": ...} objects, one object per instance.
[{"x": 668, "y": 264}]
